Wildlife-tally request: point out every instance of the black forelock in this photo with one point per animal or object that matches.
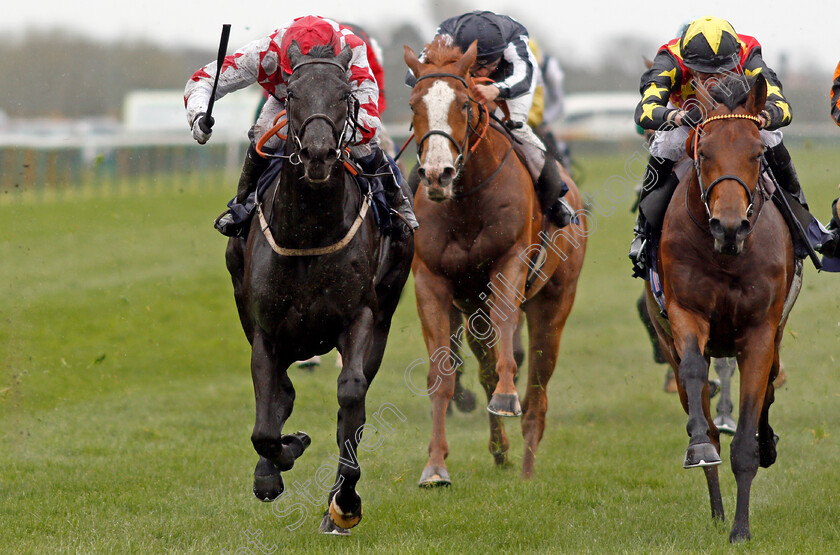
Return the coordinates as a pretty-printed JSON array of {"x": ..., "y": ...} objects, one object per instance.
[
  {"x": 733, "y": 90},
  {"x": 321, "y": 51}
]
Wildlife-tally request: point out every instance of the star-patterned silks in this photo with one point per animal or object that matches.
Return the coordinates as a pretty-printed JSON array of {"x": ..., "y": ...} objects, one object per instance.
[
  {"x": 654, "y": 91},
  {"x": 785, "y": 108},
  {"x": 672, "y": 74},
  {"x": 647, "y": 110}
]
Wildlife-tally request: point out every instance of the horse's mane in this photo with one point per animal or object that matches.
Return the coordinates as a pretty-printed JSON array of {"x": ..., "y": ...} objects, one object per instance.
[
  {"x": 442, "y": 51},
  {"x": 732, "y": 91}
]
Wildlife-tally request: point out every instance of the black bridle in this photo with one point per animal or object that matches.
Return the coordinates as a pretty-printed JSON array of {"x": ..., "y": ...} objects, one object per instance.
[
  {"x": 705, "y": 192},
  {"x": 350, "y": 121},
  {"x": 462, "y": 149}
]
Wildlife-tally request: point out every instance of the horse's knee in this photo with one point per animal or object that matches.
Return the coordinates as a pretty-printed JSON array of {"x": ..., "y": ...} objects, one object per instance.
[{"x": 351, "y": 390}]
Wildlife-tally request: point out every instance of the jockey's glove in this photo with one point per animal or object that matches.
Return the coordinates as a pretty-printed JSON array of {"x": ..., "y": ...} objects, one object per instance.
[
  {"x": 201, "y": 131},
  {"x": 692, "y": 117}
]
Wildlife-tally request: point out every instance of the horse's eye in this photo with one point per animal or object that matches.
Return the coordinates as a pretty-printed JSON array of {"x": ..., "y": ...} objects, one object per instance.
[
  {"x": 466, "y": 105},
  {"x": 701, "y": 154}
]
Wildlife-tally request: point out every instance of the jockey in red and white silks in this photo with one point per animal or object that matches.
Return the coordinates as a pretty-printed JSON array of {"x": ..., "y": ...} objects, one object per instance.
[{"x": 265, "y": 62}]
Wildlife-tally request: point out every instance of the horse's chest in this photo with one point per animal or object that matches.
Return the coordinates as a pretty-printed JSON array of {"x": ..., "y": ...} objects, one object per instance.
[
  {"x": 299, "y": 297},
  {"x": 459, "y": 255}
]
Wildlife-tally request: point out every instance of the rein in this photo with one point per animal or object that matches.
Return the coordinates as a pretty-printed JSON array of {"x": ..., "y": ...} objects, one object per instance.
[
  {"x": 705, "y": 192},
  {"x": 484, "y": 114},
  {"x": 341, "y": 151}
]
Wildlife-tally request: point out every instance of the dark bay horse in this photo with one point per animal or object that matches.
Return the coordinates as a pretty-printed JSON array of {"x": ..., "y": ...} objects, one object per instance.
[
  {"x": 727, "y": 263},
  {"x": 479, "y": 240},
  {"x": 315, "y": 274}
]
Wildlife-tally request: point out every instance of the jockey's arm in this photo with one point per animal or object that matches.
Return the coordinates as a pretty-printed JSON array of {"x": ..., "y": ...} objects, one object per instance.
[
  {"x": 239, "y": 70},
  {"x": 366, "y": 92},
  {"x": 523, "y": 78},
  {"x": 777, "y": 111},
  {"x": 656, "y": 86}
]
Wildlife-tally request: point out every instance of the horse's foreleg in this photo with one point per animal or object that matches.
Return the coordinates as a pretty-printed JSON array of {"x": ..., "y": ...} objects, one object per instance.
[
  {"x": 757, "y": 355},
  {"x": 354, "y": 344},
  {"x": 274, "y": 395},
  {"x": 690, "y": 337},
  {"x": 507, "y": 288},
  {"x": 434, "y": 301}
]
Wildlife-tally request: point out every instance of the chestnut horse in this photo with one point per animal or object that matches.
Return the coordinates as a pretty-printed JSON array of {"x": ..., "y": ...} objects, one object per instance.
[
  {"x": 726, "y": 263},
  {"x": 481, "y": 228}
]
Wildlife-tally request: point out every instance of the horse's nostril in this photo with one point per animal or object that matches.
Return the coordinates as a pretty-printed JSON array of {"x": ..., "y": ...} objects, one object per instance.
[
  {"x": 715, "y": 227},
  {"x": 421, "y": 171},
  {"x": 304, "y": 154},
  {"x": 448, "y": 172},
  {"x": 743, "y": 229}
]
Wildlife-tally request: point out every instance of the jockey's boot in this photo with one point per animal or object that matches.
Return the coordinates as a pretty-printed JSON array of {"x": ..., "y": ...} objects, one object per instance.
[
  {"x": 657, "y": 174},
  {"x": 384, "y": 169},
  {"x": 831, "y": 247},
  {"x": 234, "y": 221},
  {"x": 551, "y": 189},
  {"x": 824, "y": 240}
]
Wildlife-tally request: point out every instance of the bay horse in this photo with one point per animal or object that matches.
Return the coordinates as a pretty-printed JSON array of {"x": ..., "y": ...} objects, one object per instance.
[
  {"x": 480, "y": 229},
  {"x": 315, "y": 274},
  {"x": 726, "y": 263}
]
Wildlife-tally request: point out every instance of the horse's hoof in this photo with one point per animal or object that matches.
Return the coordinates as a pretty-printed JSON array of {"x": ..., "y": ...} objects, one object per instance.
[
  {"x": 299, "y": 441},
  {"x": 268, "y": 483},
  {"x": 465, "y": 401},
  {"x": 434, "y": 476},
  {"x": 701, "y": 454},
  {"x": 329, "y": 527},
  {"x": 725, "y": 424},
  {"x": 505, "y": 404},
  {"x": 739, "y": 534},
  {"x": 714, "y": 388},
  {"x": 341, "y": 519},
  {"x": 268, "y": 488}
]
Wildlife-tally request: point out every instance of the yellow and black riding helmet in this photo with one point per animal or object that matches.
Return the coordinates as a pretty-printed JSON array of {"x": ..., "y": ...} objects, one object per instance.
[{"x": 710, "y": 45}]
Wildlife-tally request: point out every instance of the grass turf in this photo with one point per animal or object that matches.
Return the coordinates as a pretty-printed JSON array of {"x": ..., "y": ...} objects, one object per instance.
[{"x": 126, "y": 406}]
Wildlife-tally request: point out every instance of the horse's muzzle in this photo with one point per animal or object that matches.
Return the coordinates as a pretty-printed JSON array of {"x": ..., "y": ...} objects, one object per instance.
[
  {"x": 438, "y": 183},
  {"x": 729, "y": 238}
]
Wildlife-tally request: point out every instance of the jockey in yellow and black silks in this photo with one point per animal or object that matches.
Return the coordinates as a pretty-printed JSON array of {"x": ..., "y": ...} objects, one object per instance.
[{"x": 708, "y": 48}]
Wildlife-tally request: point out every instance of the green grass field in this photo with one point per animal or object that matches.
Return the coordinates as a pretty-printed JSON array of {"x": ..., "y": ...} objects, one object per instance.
[{"x": 126, "y": 407}]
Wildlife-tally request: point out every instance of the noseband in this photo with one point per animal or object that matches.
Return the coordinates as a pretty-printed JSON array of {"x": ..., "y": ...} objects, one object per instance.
[
  {"x": 705, "y": 192},
  {"x": 461, "y": 159}
]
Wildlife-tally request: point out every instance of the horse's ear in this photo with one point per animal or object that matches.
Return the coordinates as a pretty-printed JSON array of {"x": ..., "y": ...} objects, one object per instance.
[
  {"x": 345, "y": 56},
  {"x": 758, "y": 96},
  {"x": 411, "y": 60},
  {"x": 294, "y": 54},
  {"x": 689, "y": 143},
  {"x": 648, "y": 62},
  {"x": 463, "y": 65}
]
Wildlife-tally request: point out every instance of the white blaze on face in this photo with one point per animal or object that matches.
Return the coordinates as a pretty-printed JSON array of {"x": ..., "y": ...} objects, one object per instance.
[{"x": 438, "y": 99}]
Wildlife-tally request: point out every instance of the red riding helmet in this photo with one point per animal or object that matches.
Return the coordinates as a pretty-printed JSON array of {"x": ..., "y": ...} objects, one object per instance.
[{"x": 307, "y": 31}]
